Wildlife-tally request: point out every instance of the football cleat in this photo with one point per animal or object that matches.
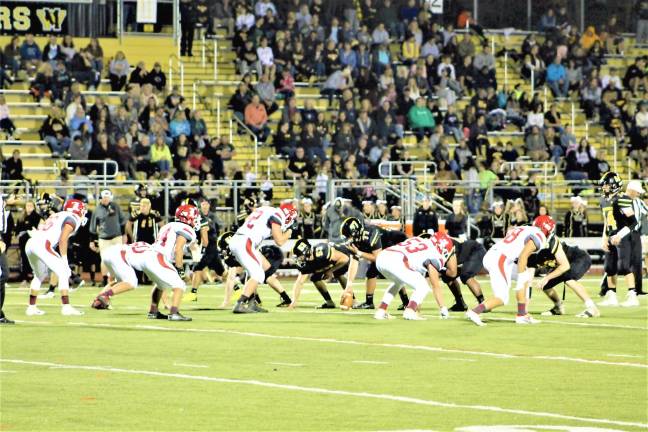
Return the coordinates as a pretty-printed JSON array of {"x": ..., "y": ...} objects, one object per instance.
[
  {"x": 242, "y": 308},
  {"x": 255, "y": 306},
  {"x": 284, "y": 303},
  {"x": 364, "y": 305},
  {"x": 401, "y": 307},
  {"x": 459, "y": 307},
  {"x": 326, "y": 305},
  {"x": 592, "y": 312},
  {"x": 33, "y": 310},
  {"x": 69, "y": 310},
  {"x": 190, "y": 297},
  {"x": 178, "y": 317},
  {"x": 610, "y": 299},
  {"x": 47, "y": 295},
  {"x": 5, "y": 320},
  {"x": 631, "y": 300},
  {"x": 381, "y": 314},
  {"x": 526, "y": 319},
  {"x": 556, "y": 310},
  {"x": 412, "y": 315},
  {"x": 157, "y": 315},
  {"x": 101, "y": 302},
  {"x": 474, "y": 317}
]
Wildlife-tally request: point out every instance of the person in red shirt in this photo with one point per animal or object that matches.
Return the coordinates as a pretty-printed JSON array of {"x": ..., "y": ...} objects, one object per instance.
[{"x": 256, "y": 118}]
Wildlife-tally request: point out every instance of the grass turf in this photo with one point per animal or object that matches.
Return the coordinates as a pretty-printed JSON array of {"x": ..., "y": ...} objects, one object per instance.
[{"x": 318, "y": 370}]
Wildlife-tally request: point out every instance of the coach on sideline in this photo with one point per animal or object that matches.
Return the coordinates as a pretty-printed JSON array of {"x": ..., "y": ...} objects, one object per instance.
[{"x": 107, "y": 225}]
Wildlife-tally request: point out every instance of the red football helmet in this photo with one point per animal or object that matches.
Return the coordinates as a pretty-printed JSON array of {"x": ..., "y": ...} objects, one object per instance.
[
  {"x": 289, "y": 212},
  {"x": 444, "y": 244},
  {"x": 75, "y": 206},
  {"x": 189, "y": 215},
  {"x": 546, "y": 224}
]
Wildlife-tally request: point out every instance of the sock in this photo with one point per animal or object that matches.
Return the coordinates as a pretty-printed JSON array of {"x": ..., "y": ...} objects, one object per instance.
[
  {"x": 105, "y": 280},
  {"x": 32, "y": 300},
  {"x": 153, "y": 309},
  {"x": 633, "y": 290},
  {"x": 589, "y": 303},
  {"x": 456, "y": 293},
  {"x": 257, "y": 298},
  {"x": 325, "y": 294},
  {"x": 109, "y": 293},
  {"x": 2, "y": 297},
  {"x": 92, "y": 276},
  {"x": 285, "y": 297},
  {"x": 480, "y": 298},
  {"x": 174, "y": 310},
  {"x": 194, "y": 290},
  {"x": 51, "y": 288},
  {"x": 403, "y": 296},
  {"x": 558, "y": 303},
  {"x": 412, "y": 305},
  {"x": 521, "y": 309},
  {"x": 480, "y": 308},
  {"x": 243, "y": 299},
  {"x": 383, "y": 306},
  {"x": 65, "y": 300},
  {"x": 613, "y": 289},
  {"x": 369, "y": 298}
]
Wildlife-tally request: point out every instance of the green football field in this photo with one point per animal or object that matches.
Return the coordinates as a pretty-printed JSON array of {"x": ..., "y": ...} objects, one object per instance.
[{"x": 307, "y": 370}]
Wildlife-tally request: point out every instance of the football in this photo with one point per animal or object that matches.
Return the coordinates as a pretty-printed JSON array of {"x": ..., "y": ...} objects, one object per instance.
[{"x": 346, "y": 302}]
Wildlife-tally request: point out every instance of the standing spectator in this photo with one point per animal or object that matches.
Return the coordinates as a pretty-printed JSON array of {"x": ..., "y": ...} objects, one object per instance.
[
  {"x": 6, "y": 124},
  {"x": 576, "y": 218},
  {"x": 425, "y": 218},
  {"x": 107, "y": 225},
  {"x": 118, "y": 71},
  {"x": 256, "y": 118},
  {"x": 187, "y": 24}
]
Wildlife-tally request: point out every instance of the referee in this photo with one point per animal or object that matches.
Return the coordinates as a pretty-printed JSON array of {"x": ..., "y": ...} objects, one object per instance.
[
  {"x": 107, "y": 225},
  {"x": 4, "y": 267},
  {"x": 634, "y": 191}
]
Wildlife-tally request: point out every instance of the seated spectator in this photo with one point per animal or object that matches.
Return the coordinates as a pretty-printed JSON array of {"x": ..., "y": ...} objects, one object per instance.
[
  {"x": 80, "y": 148},
  {"x": 589, "y": 38},
  {"x": 548, "y": 21},
  {"x": 139, "y": 75},
  {"x": 43, "y": 84},
  {"x": 30, "y": 54},
  {"x": 156, "y": 77},
  {"x": 161, "y": 156},
  {"x": 52, "y": 52},
  {"x": 478, "y": 136},
  {"x": 266, "y": 56},
  {"x": 14, "y": 167},
  {"x": 256, "y": 118},
  {"x": 118, "y": 71},
  {"x": 557, "y": 79},
  {"x": 336, "y": 83},
  {"x": 638, "y": 149},
  {"x": 142, "y": 155},
  {"x": 510, "y": 154},
  {"x": 283, "y": 140},
  {"x": 95, "y": 50},
  {"x": 55, "y": 132},
  {"x": 265, "y": 89},
  {"x": 79, "y": 120},
  {"x": 62, "y": 81},
  {"x": 100, "y": 152},
  {"x": 6, "y": 124},
  {"x": 420, "y": 119},
  {"x": 410, "y": 51},
  {"x": 536, "y": 146},
  {"x": 123, "y": 155},
  {"x": 180, "y": 125},
  {"x": 12, "y": 59},
  {"x": 240, "y": 100},
  {"x": 286, "y": 84},
  {"x": 591, "y": 98},
  {"x": 484, "y": 59},
  {"x": 300, "y": 168}
]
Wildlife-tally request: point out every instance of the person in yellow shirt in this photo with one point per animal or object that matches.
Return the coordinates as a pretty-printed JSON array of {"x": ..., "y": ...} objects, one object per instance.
[
  {"x": 589, "y": 38},
  {"x": 410, "y": 51},
  {"x": 161, "y": 155}
]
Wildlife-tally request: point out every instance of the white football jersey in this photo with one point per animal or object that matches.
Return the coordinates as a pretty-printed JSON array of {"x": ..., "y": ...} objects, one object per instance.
[
  {"x": 418, "y": 253},
  {"x": 166, "y": 239},
  {"x": 50, "y": 230},
  {"x": 513, "y": 243},
  {"x": 258, "y": 226},
  {"x": 136, "y": 254}
]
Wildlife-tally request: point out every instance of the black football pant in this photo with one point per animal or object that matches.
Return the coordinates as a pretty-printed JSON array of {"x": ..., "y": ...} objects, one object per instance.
[
  {"x": 4, "y": 276},
  {"x": 636, "y": 260}
]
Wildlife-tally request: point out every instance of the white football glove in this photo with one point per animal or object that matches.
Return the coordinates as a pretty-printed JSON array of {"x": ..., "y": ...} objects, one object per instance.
[{"x": 444, "y": 313}]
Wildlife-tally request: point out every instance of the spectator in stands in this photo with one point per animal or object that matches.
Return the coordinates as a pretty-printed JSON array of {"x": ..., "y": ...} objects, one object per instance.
[
  {"x": 410, "y": 50},
  {"x": 43, "y": 84},
  {"x": 240, "y": 100},
  {"x": 484, "y": 59},
  {"x": 139, "y": 75},
  {"x": 179, "y": 125},
  {"x": 118, "y": 71},
  {"x": 256, "y": 118},
  {"x": 13, "y": 167},
  {"x": 222, "y": 16},
  {"x": 420, "y": 119},
  {"x": 52, "y": 52},
  {"x": 591, "y": 99},
  {"x": 576, "y": 218},
  {"x": 516, "y": 214},
  {"x": 80, "y": 148},
  {"x": 266, "y": 57},
  {"x": 79, "y": 120},
  {"x": 82, "y": 70},
  {"x": 95, "y": 50},
  {"x": 478, "y": 136},
  {"x": 336, "y": 83},
  {"x": 142, "y": 155},
  {"x": 575, "y": 170},
  {"x": 641, "y": 9},
  {"x": 12, "y": 56},
  {"x": 101, "y": 151},
  {"x": 123, "y": 155},
  {"x": 6, "y": 124},
  {"x": 301, "y": 169},
  {"x": 456, "y": 222},
  {"x": 589, "y": 38},
  {"x": 55, "y": 132},
  {"x": 548, "y": 21},
  {"x": 536, "y": 147},
  {"x": 161, "y": 156},
  {"x": 466, "y": 21},
  {"x": 188, "y": 19},
  {"x": 636, "y": 75},
  {"x": 30, "y": 54},
  {"x": 286, "y": 84},
  {"x": 265, "y": 89},
  {"x": 557, "y": 79},
  {"x": 62, "y": 81},
  {"x": 157, "y": 78}
]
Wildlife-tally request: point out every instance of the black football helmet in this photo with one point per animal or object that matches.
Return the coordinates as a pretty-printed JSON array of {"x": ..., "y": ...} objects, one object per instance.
[
  {"x": 301, "y": 249},
  {"x": 351, "y": 228},
  {"x": 223, "y": 241},
  {"x": 44, "y": 205},
  {"x": 611, "y": 183},
  {"x": 425, "y": 235}
]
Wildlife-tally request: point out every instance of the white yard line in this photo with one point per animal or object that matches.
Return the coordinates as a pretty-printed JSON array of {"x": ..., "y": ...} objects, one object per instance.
[
  {"x": 7, "y": 371},
  {"x": 457, "y": 359},
  {"x": 324, "y": 391},
  {"x": 372, "y": 344},
  {"x": 190, "y": 365},
  {"x": 624, "y": 355},
  {"x": 285, "y": 364},
  {"x": 371, "y": 362}
]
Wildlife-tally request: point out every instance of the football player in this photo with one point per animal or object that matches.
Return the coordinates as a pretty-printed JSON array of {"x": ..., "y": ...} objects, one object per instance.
[
  {"x": 507, "y": 260},
  {"x": 55, "y": 231},
  {"x": 610, "y": 185},
  {"x": 264, "y": 223},
  {"x": 406, "y": 264},
  {"x": 563, "y": 264},
  {"x": 621, "y": 237},
  {"x": 320, "y": 262},
  {"x": 163, "y": 262},
  {"x": 272, "y": 254},
  {"x": 366, "y": 242}
]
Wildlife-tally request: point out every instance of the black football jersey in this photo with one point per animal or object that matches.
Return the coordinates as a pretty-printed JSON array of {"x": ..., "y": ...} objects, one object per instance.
[
  {"x": 620, "y": 203},
  {"x": 370, "y": 240},
  {"x": 321, "y": 261},
  {"x": 608, "y": 218},
  {"x": 392, "y": 237},
  {"x": 545, "y": 259}
]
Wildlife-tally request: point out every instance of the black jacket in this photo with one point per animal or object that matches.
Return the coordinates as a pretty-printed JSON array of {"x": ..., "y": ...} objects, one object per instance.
[{"x": 425, "y": 220}]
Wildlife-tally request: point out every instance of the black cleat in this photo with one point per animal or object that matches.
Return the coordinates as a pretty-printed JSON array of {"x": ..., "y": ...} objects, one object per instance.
[
  {"x": 5, "y": 320},
  {"x": 242, "y": 308},
  {"x": 284, "y": 303},
  {"x": 364, "y": 305},
  {"x": 253, "y": 305},
  {"x": 459, "y": 307},
  {"x": 402, "y": 307},
  {"x": 326, "y": 305},
  {"x": 178, "y": 317},
  {"x": 642, "y": 293},
  {"x": 157, "y": 315}
]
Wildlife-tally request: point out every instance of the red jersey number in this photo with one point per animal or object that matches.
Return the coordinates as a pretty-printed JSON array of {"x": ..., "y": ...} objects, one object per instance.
[
  {"x": 253, "y": 217},
  {"x": 414, "y": 245},
  {"x": 512, "y": 235}
]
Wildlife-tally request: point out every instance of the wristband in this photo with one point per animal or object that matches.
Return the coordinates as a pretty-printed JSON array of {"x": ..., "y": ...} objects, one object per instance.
[{"x": 623, "y": 232}]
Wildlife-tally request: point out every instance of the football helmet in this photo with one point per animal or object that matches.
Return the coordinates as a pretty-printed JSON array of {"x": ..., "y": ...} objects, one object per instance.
[
  {"x": 223, "y": 241},
  {"x": 611, "y": 183},
  {"x": 289, "y": 213},
  {"x": 425, "y": 235},
  {"x": 44, "y": 205},
  {"x": 78, "y": 208},
  {"x": 189, "y": 215},
  {"x": 444, "y": 245},
  {"x": 546, "y": 224},
  {"x": 351, "y": 228},
  {"x": 301, "y": 249}
]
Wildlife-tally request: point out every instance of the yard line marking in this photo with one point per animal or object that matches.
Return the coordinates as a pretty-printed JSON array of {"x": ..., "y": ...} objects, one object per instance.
[
  {"x": 190, "y": 365},
  {"x": 372, "y": 362},
  {"x": 34, "y": 322},
  {"x": 362, "y": 343},
  {"x": 457, "y": 359},
  {"x": 285, "y": 364},
  {"x": 624, "y": 355},
  {"x": 324, "y": 391},
  {"x": 7, "y": 371}
]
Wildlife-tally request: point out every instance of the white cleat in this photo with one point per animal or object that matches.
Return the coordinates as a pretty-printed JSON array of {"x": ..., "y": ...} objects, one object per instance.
[
  {"x": 610, "y": 299},
  {"x": 474, "y": 317},
  {"x": 32, "y": 310},
  {"x": 631, "y": 300},
  {"x": 381, "y": 314},
  {"x": 591, "y": 312},
  {"x": 526, "y": 319},
  {"x": 68, "y": 310},
  {"x": 47, "y": 295},
  {"x": 412, "y": 315}
]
